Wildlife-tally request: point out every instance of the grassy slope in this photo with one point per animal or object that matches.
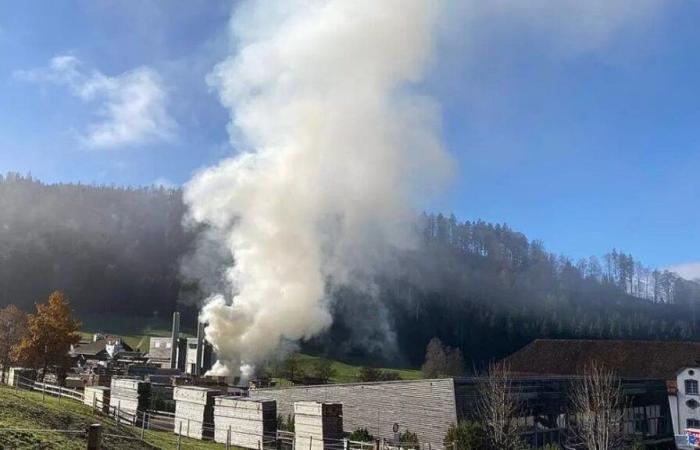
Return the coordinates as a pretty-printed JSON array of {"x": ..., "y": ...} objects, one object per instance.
[
  {"x": 23, "y": 409},
  {"x": 346, "y": 373},
  {"x": 137, "y": 332}
]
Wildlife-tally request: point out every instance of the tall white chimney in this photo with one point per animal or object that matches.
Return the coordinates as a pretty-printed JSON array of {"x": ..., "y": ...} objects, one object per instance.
[
  {"x": 200, "y": 349},
  {"x": 175, "y": 339}
]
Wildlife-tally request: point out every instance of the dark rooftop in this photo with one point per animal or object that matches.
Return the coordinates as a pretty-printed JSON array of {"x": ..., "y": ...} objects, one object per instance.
[
  {"x": 633, "y": 359},
  {"x": 94, "y": 348}
]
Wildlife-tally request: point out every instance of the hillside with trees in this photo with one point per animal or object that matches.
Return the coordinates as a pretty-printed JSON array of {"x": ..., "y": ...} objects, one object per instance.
[
  {"x": 109, "y": 249},
  {"x": 482, "y": 288}
]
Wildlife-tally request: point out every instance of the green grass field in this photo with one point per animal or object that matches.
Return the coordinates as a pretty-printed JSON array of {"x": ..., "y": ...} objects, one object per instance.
[
  {"x": 347, "y": 373},
  {"x": 25, "y": 410},
  {"x": 137, "y": 332}
]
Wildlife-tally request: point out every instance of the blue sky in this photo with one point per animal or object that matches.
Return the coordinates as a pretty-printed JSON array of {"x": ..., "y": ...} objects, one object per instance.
[{"x": 574, "y": 122}]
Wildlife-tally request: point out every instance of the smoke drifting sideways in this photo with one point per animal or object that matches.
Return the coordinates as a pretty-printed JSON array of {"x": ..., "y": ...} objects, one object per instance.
[{"x": 335, "y": 147}]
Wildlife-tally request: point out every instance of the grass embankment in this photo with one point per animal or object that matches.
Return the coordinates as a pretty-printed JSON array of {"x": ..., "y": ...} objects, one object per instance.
[
  {"x": 348, "y": 373},
  {"x": 137, "y": 332},
  {"x": 21, "y": 409}
]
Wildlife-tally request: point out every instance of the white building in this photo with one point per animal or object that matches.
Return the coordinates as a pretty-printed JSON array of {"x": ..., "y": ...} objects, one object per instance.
[{"x": 684, "y": 400}]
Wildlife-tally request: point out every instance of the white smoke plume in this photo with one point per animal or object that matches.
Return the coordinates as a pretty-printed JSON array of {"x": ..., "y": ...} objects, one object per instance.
[{"x": 335, "y": 148}]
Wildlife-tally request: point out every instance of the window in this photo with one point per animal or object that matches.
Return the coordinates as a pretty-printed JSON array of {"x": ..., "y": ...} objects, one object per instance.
[
  {"x": 691, "y": 387},
  {"x": 692, "y": 423},
  {"x": 168, "y": 345},
  {"x": 156, "y": 344}
]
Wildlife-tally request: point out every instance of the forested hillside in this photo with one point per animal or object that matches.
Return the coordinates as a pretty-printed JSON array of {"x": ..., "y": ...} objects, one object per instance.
[
  {"x": 110, "y": 249},
  {"x": 489, "y": 290},
  {"x": 479, "y": 286}
]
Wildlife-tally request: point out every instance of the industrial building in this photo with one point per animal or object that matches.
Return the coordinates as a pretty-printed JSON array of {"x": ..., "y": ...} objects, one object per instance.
[
  {"x": 194, "y": 356},
  {"x": 429, "y": 407}
]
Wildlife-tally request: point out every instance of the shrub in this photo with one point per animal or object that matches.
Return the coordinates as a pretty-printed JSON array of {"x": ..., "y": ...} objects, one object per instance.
[
  {"x": 285, "y": 425},
  {"x": 367, "y": 374},
  {"x": 361, "y": 435},
  {"x": 465, "y": 435},
  {"x": 409, "y": 440}
]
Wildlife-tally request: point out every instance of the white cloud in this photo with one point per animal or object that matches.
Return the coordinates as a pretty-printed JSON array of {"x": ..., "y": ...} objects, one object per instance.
[
  {"x": 131, "y": 106},
  {"x": 689, "y": 271}
]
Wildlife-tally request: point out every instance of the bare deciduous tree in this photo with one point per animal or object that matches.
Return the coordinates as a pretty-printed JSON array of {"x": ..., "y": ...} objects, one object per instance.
[
  {"x": 597, "y": 410},
  {"x": 499, "y": 408}
]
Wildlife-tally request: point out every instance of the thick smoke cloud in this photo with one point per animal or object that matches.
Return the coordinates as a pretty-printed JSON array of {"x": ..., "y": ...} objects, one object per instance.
[{"x": 334, "y": 149}]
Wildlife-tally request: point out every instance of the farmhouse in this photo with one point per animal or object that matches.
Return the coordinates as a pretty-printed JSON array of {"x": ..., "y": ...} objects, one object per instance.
[{"x": 102, "y": 348}]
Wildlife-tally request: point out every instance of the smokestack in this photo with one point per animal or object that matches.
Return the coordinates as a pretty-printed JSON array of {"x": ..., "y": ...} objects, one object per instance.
[
  {"x": 175, "y": 339},
  {"x": 200, "y": 345}
]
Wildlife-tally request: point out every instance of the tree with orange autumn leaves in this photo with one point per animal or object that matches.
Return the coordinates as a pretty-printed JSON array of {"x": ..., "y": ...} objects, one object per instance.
[
  {"x": 13, "y": 325},
  {"x": 50, "y": 334}
]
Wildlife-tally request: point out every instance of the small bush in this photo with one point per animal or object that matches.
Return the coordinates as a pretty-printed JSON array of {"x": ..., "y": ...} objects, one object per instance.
[
  {"x": 285, "y": 425},
  {"x": 409, "y": 440},
  {"x": 368, "y": 374},
  {"x": 361, "y": 435},
  {"x": 466, "y": 435},
  {"x": 550, "y": 447}
]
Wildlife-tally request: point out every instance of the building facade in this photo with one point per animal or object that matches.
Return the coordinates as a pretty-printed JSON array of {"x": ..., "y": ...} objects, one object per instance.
[
  {"x": 429, "y": 407},
  {"x": 684, "y": 400}
]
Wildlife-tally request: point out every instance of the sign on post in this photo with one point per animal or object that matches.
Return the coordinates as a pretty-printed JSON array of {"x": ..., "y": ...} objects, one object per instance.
[{"x": 693, "y": 435}]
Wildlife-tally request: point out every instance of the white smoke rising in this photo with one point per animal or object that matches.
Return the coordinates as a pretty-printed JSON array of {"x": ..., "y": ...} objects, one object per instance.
[{"x": 337, "y": 150}]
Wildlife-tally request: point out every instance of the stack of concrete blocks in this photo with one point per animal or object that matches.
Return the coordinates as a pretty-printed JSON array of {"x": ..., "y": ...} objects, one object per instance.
[
  {"x": 318, "y": 426},
  {"x": 194, "y": 411},
  {"x": 131, "y": 398},
  {"x": 244, "y": 422},
  {"x": 21, "y": 377},
  {"x": 97, "y": 397}
]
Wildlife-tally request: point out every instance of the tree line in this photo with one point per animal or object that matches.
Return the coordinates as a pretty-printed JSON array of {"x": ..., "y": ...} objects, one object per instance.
[{"x": 479, "y": 287}]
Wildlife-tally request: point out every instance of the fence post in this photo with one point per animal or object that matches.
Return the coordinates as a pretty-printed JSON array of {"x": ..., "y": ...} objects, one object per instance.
[
  {"x": 259, "y": 446},
  {"x": 188, "y": 427},
  {"x": 94, "y": 437},
  {"x": 60, "y": 394},
  {"x": 311, "y": 441},
  {"x": 179, "y": 436},
  {"x": 43, "y": 392},
  {"x": 143, "y": 425},
  {"x": 119, "y": 411},
  {"x": 376, "y": 444},
  {"x": 228, "y": 437},
  {"x": 94, "y": 404}
]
